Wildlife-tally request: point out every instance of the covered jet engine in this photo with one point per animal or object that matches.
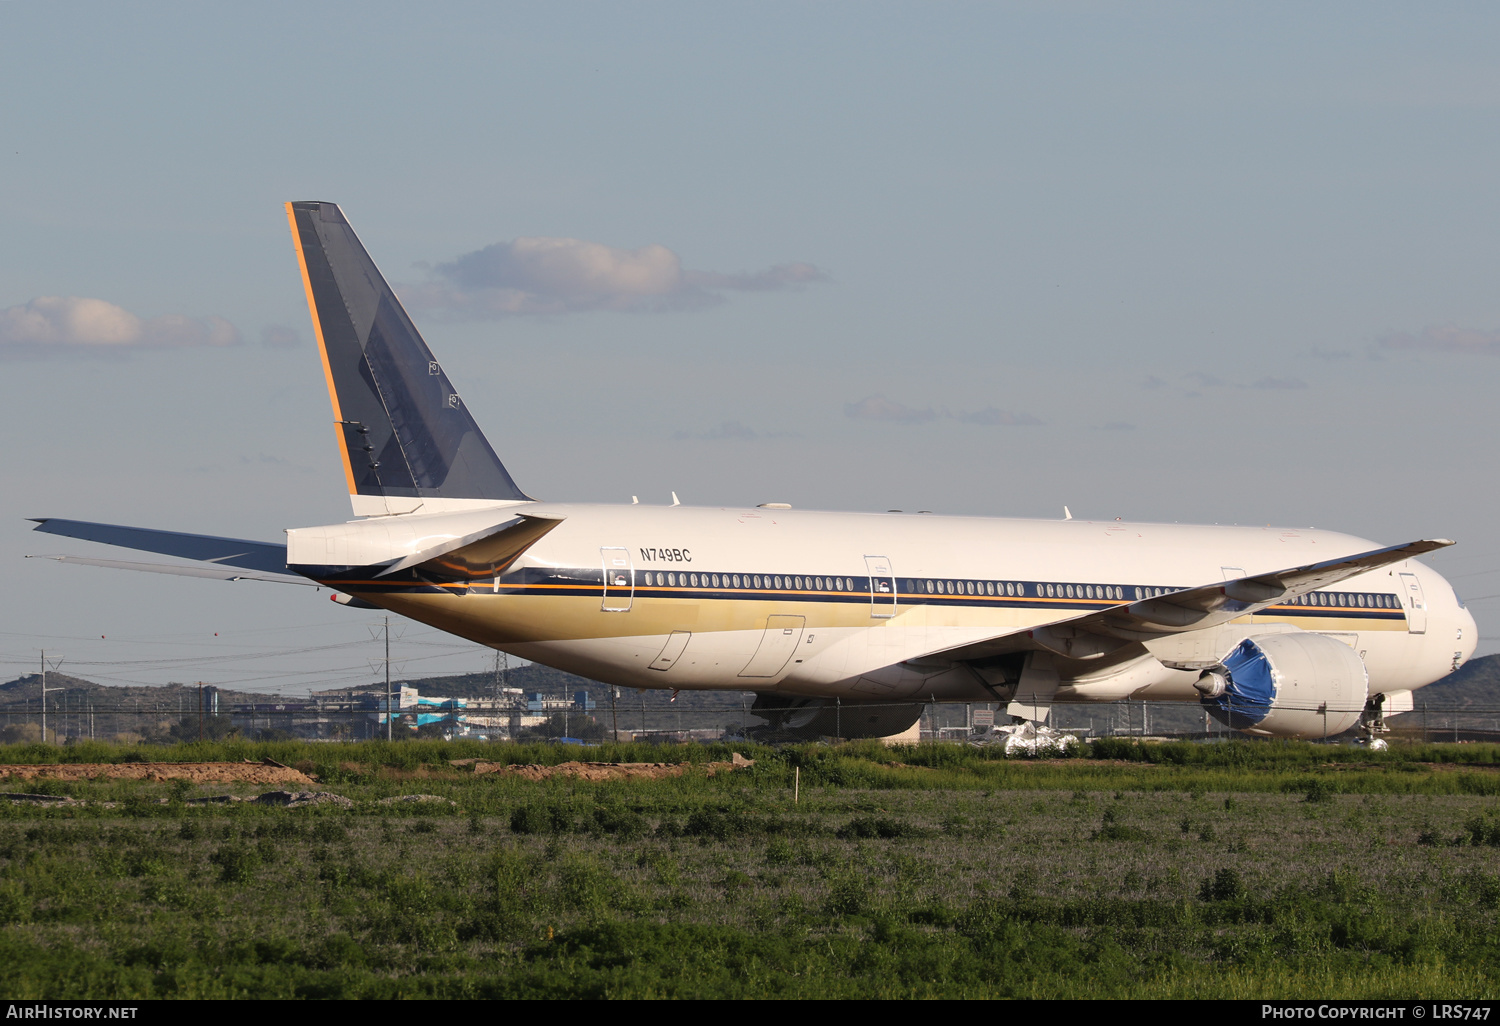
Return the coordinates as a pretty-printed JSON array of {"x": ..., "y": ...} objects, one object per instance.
[
  {"x": 1287, "y": 685},
  {"x": 813, "y": 718}
]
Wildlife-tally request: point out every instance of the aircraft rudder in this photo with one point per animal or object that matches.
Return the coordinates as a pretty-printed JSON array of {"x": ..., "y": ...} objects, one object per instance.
[{"x": 404, "y": 433}]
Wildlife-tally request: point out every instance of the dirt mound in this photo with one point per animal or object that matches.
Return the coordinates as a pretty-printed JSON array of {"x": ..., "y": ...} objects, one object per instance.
[
  {"x": 52, "y": 798},
  {"x": 600, "y": 771},
  {"x": 197, "y": 772},
  {"x": 297, "y": 799}
]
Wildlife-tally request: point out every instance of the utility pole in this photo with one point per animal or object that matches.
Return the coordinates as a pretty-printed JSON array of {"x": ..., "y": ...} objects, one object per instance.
[
  {"x": 200, "y": 712},
  {"x": 387, "y": 678},
  {"x": 614, "y": 712},
  {"x": 45, "y": 689}
]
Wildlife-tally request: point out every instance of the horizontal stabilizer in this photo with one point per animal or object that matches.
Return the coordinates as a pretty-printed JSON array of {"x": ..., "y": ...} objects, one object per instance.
[
  {"x": 481, "y": 555},
  {"x": 1103, "y": 631},
  {"x": 212, "y": 573},
  {"x": 251, "y": 555}
]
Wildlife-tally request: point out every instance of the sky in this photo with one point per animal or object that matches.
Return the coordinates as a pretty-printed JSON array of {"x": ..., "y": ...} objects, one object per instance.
[{"x": 1228, "y": 263}]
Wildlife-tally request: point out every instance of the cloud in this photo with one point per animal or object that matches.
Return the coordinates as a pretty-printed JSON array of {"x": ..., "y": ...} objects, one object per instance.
[
  {"x": 1153, "y": 382},
  {"x": 73, "y": 324},
  {"x": 1279, "y": 383},
  {"x": 280, "y": 336},
  {"x": 990, "y": 415},
  {"x": 1201, "y": 380},
  {"x": 782, "y": 276},
  {"x": 1116, "y": 425},
  {"x": 730, "y": 430},
  {"x": 881, "y": 407},
  {"x": 553, "y": 276},
  {"x": 1446, "y": 338}
]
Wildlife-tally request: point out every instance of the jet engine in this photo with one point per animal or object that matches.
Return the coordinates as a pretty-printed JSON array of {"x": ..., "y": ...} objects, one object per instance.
[
  {"x": 813, "y": 718},
  {"x": 1287, "y": 685}
]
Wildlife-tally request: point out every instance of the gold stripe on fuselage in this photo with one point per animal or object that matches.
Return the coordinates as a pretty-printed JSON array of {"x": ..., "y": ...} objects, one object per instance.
[{"x": 568, "y": 612}]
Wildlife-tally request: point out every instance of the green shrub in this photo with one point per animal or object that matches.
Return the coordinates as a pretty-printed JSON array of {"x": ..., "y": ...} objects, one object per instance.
[
  {"x": 1225, "y": 885},
  {"x": 329, "y": 831},
  {"x": 883, "y": 827},
  {"x": 237, "y": 862},
  {"x": 1120, "y": 832},
  {"x": 618, "y": 822},
  {"x": 552, "y": 818}
]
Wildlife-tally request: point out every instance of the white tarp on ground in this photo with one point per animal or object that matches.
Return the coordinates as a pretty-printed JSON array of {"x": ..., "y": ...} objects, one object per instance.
[{"x": 1028, "y": 738}]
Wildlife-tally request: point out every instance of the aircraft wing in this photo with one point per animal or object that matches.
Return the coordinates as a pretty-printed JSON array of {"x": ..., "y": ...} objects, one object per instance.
[
  {"x": 211, "y": 572},
  {"x": 269, "y": 557},
  {"x": 1100, "y": 632}
]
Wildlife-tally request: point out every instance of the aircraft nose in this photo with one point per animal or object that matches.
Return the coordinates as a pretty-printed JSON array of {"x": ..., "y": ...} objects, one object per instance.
[{"x": 1469, "y": 633}]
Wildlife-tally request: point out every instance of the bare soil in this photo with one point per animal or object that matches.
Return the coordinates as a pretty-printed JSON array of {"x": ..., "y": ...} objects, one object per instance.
[
  {"x": 197, "y": 772},
  {"x": 610, "y": 770}
]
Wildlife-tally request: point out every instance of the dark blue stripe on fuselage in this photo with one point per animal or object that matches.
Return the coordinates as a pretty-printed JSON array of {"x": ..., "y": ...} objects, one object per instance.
[{"x": 586, "y": 582}]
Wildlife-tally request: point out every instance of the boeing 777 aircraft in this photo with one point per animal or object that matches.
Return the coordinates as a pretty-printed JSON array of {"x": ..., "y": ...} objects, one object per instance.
[{"x": 854, "y": 619}]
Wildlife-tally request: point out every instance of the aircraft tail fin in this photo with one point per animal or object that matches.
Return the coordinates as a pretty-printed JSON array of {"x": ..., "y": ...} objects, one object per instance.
[{"x": 407, "y": 440}]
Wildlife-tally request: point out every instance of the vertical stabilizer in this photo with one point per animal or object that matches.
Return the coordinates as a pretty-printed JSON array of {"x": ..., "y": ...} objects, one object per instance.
[{"x": 407, "y": 440}]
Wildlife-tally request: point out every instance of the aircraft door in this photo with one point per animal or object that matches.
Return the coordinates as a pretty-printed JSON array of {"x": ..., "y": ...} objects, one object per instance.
[
  {"x": 882, "y": 587},
  {"x": 1416, "y": 605},
  {"x": 776, "y": 647},
  {"x": 672, "y": 650},
  {"x": 619, "y": 579}
]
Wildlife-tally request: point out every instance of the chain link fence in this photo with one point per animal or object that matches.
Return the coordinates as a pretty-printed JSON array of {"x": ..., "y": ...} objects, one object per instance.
[{"x": 600, "y": 713}]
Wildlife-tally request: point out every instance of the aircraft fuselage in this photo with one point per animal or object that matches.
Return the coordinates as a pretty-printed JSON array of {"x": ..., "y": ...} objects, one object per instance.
[{"x": 849, "y": 605}]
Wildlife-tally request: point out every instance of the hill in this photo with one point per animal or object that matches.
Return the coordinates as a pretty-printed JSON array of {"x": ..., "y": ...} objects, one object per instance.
[{"x": 1476, "y": 685}]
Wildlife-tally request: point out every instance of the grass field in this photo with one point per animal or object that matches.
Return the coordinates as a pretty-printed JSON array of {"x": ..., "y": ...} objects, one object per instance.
[{"x": 1230, "y": 870}]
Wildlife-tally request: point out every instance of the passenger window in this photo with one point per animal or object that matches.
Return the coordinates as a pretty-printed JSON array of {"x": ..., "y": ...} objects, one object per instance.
[{"x": 672, "y": 580}]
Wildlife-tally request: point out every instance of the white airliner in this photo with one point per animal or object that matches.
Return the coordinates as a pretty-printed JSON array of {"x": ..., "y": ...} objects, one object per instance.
[{"x": 843, "y": 622}]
